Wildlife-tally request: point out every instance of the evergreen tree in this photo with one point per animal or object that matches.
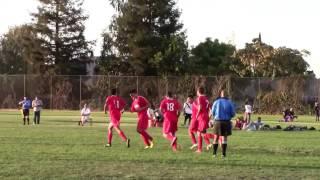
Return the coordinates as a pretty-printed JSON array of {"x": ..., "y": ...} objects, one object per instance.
[
  {"x": 147, "y": 36},
  {"x": 59, "y": 25}
]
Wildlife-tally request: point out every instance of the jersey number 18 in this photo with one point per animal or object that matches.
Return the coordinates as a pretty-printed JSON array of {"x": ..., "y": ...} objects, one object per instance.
[{"x": 170, "y": 107}]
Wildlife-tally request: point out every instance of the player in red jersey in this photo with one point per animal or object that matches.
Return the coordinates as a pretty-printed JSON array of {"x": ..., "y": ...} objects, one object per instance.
[
  {"x": 170, "y": 108},
  {"x": 115, "y": 104},
  {"x": 202, "y": 116},
  {"x": 193, "y": 128},
  {"x": 140, "y": 105}
]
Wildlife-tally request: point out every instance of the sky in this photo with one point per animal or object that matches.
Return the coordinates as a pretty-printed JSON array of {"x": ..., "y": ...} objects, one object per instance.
[{"x": 290, "y": 23}]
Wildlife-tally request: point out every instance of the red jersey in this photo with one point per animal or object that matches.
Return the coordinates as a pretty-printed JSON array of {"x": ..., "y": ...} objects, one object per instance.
[
  {"x": 194, "y": 110},
  {"x": 170, "y": 109},
  {"x": 205, "y": 108},
  {"x": 138, "y": 103},
  {"x": 115, "y": 103}
]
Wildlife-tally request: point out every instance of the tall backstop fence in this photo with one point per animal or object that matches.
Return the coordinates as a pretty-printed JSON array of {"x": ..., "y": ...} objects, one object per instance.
[{"x": 71, "y": 92}]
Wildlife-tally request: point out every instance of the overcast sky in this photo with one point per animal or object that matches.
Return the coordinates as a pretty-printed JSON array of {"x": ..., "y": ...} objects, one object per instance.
[{"x": 291, "y": 23}]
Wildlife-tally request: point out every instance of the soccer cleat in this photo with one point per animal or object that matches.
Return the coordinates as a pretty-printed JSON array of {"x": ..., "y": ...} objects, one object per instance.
[
  {"x": 209, "y": 147},
  {"x": 174, "y": 149},
  {"x": 107, "y": 145},
  {"x": 147, "y": 147},
  {"x": 174, "y": 141},
  {"x": 214, "y": 156},
  {"x": 128, "y": 143},
  {"x": 151, "y": 144},
  {"x": 223, "y": 156},
  {"x": 194, "y": 146},
  {"x": 198, "y": 151},
  {"x": 177, "y": 148}
]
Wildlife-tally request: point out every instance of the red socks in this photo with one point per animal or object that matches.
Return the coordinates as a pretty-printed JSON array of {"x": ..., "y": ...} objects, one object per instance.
[
  {"x": 109, "y": 137},
  {"x": 146, "y": 137},
  {"x": 200, "y": 142},
  {"x": 193, "y": 137}
]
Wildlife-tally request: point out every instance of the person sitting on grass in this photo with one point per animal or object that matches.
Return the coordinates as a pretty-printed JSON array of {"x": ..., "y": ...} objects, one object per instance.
[
  {"x": 250, "y": 127},
  {"x": 259, "y": 123},
  {"x": 239, "y": 123},
  {"x": 85, "y": 115},
  {"x": 247, "y": 112},
  {"x": 289, "y": 115},
  {"x": 151, "y": 116},
  {"x": 159, "y": 118}
]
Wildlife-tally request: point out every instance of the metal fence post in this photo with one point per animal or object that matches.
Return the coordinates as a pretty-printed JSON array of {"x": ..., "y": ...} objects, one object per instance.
[
  {"x": 51, "y": 92},
  {"x": 137, "y": 84},
  {"x": 24, "y": 85},
  {"x": 259, "y": 93},
  {"x": 80, "y": 87}
]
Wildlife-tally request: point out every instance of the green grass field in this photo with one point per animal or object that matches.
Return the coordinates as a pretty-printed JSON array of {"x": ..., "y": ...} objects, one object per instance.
[{"x": 59, "y": 149}]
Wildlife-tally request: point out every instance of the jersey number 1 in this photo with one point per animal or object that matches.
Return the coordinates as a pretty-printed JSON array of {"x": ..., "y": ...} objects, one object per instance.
[{"x": 117, "y": 104}]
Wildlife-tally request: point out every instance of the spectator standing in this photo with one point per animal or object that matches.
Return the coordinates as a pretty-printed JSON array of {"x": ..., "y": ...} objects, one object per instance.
[
  {"x": 37, "y": 107},
  {"x": 247, "y": 112},
  {"x": 187, "y": 110}
]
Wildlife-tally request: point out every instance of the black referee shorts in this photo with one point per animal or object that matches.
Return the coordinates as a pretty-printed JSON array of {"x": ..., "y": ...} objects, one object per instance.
[{"x": 25, "y": 112}]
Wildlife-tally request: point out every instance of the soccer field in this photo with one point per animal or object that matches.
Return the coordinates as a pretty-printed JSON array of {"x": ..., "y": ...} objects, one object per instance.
[{"x": 59, "y": 149}]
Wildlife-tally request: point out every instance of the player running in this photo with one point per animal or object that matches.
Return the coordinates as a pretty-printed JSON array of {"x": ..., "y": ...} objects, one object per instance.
[
  {"x": 140, "y": 105},
  {"x": 202, "y": 116},
  {"x": 115, "y": 104},
  {"x": 170, "y": 108}
]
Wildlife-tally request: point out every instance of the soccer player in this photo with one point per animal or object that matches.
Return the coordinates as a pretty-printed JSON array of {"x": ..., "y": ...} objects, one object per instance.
[
  {"x": 202, "y": 116},
  {"x": 26, "y": 105},
  {"x": 140, "y": 105},
  {"x": 115, "y": 104},
  {"x": 193, "y": 127},
  {"x": 170, "y": 108},
  {"x": 222, "y": 111}
]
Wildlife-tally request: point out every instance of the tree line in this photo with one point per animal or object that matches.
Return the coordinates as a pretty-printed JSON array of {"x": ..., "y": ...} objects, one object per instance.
[{"x": 145, "y": 38}]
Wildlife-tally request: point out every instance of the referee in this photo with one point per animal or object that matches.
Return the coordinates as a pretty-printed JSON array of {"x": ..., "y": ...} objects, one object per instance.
[
  {"x": 26, "y": 105},
  {"x": 222, "y": 111}
]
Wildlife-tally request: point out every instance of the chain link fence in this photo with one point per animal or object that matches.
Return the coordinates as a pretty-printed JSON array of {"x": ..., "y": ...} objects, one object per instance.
[{"x": 71, "y": 92}]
